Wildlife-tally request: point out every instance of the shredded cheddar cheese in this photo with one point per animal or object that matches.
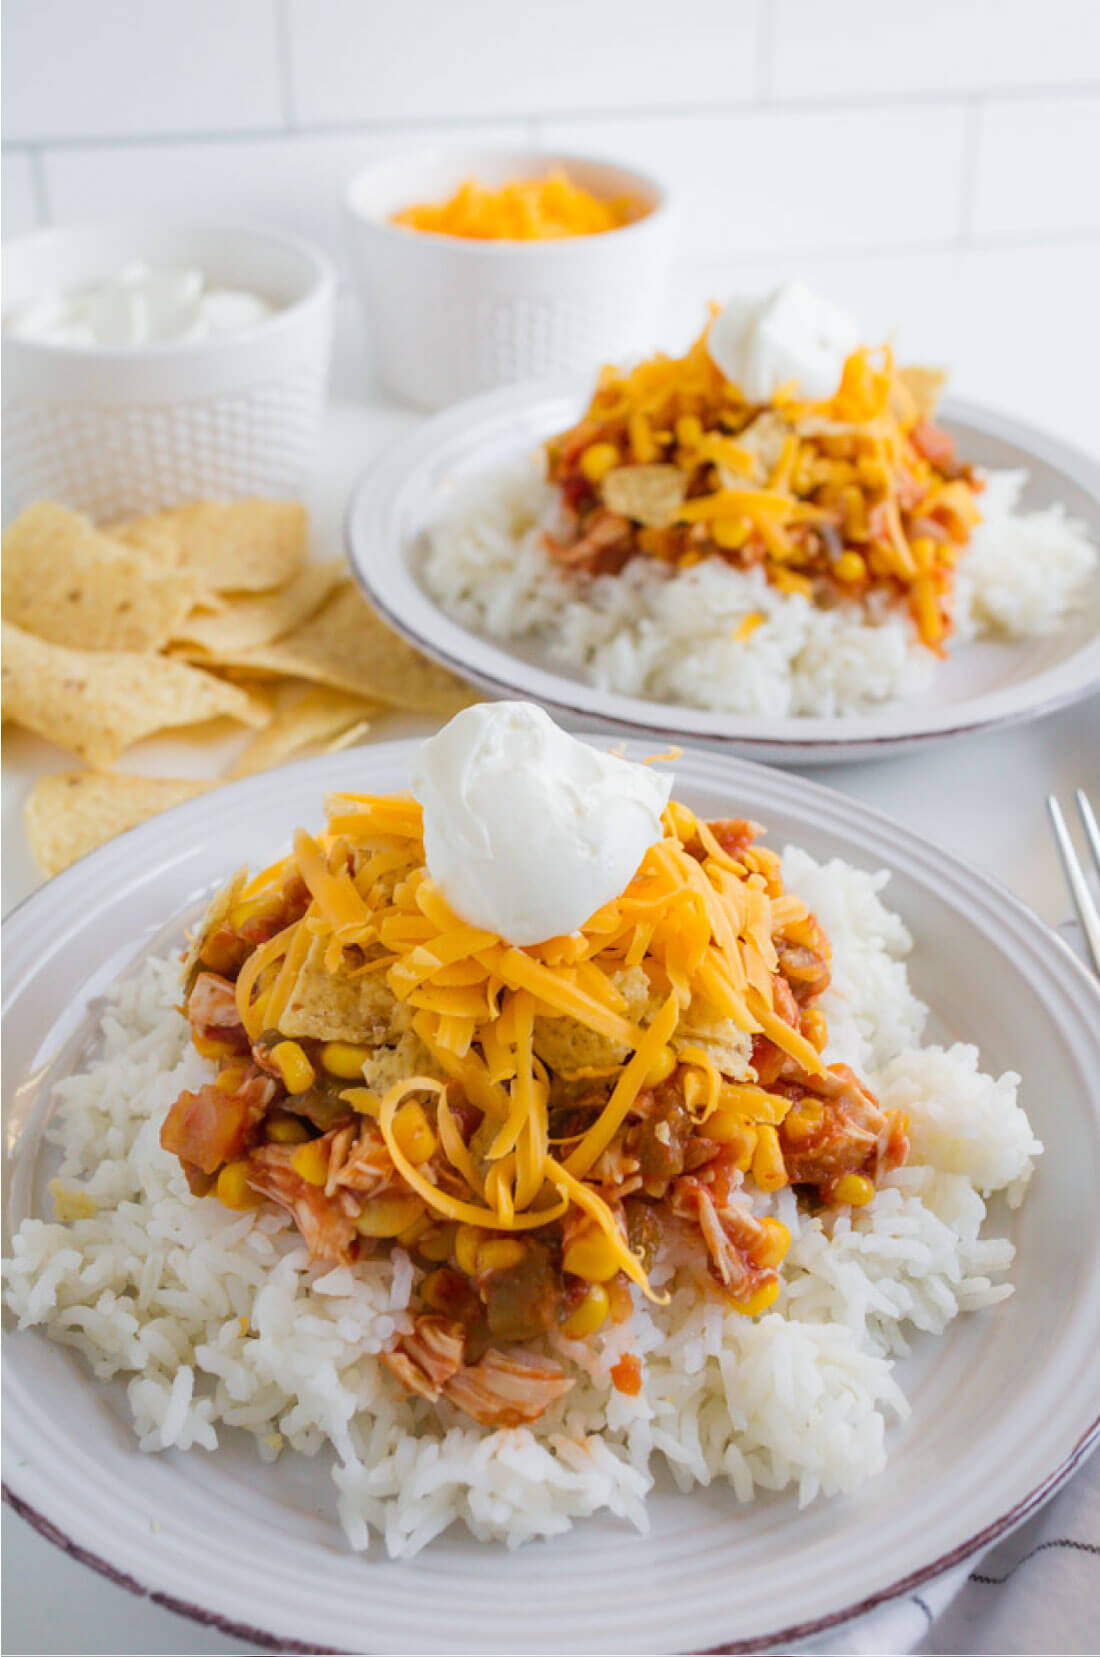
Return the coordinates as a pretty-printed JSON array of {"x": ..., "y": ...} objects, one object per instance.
[
  {"x": 853, "y": 495},
  {"x": 523, "y": 210},
  {"x": 700, "y": 919}
]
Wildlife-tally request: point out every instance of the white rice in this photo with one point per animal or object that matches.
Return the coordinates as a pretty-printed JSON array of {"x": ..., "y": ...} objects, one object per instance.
[
  {"x": 669, "y": 637},
  {"x": 218, "y": 1320}
]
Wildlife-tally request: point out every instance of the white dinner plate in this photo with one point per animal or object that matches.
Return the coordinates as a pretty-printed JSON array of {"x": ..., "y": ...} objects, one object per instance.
[
  {"x": 1004, "y": 1404},
  {"x": 981, "y": 685}
]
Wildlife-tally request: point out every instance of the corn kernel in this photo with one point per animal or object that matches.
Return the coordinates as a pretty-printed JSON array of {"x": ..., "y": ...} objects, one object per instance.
[
  {"x": 768, "y": 1169},
  {"x": 730, "y": 533},
  {"x": 281, "y": 1128},
  {"x": 850, "y": 567},
  {"x": 764, "y": 1297},
  {"x": 727, "y": 1127},
  {"x": 211, "y": 1049},
  {"x": 232, "y": 1188},
  {"x": 689, "y": 430},
  {"x": 856, "y": 1189},
  {"x": 589, "y": 1315},
  {"x": 468, "y": 1240},
  {"x": 598, "y": 459},
  {"x": 295, "y": 1069},
  {"x": 413, "y": 1132},
  {"x": 591, "y": 1256},
  {"x": 344, "y": 1059},
  {"x": 661, "y": 1068},
  {"x": 230, "y": 1079},
  {"x": 815, "y": 1028},
  {"x": 310, "y": 1162},
  {"x": 413, "y": 1233},
  {"x": 770, "y": 1249},
  {"x": 388, "y": 1216},
  {"x": 437, "y": 1244},
  {"x": 803, "y": 1121},
  {"x": 499, "y": 1254}
]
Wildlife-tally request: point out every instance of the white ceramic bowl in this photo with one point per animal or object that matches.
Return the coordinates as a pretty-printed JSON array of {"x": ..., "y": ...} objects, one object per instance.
[
  {"x": 114, "y": 430},
  {"x": 447, "y": 316}
]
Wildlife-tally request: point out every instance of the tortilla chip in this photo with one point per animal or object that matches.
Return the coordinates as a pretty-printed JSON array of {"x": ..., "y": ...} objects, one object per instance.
[
  {"x": 924, "y": 386},
  {"x": 65, "y": 582},
  {"x": 651, "y": 495},
  {"x": 257, "y": 618},
  {"x": 156, "y": 539},
  {"x": 233, "y": 546},
  {"x": 98, "y": 702},
  {"x": 333, "y": 1007},
  {"x": 312, "y": 716},
  {"x": 70, "y": 815},
  {"x": 347, "y": 645},
  {"x": 216, "y": 911}
]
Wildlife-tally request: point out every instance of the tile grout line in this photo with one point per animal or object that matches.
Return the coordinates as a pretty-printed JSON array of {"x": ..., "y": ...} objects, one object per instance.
[{"x": 858, "y": 103}]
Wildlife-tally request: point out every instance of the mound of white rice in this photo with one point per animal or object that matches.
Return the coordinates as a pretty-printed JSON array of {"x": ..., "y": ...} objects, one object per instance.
[
  {"x": 219, "y": 1320},
  {"x": 670, "y": 636}
]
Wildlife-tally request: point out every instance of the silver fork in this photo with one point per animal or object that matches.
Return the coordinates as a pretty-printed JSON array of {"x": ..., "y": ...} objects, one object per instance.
[{"x": 1075, "y": 875}]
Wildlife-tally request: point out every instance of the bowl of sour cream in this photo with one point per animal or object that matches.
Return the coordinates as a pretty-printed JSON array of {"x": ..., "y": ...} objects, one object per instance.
[{"x": 146, "y": 366}]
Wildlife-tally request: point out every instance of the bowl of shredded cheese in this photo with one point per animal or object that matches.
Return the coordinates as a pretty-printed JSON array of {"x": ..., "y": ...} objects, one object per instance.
[{"x": 478, "y": 269}]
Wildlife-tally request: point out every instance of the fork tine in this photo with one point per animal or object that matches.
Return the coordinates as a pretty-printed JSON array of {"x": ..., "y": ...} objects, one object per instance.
[
  {"x": 1084, "y": 806},
  {"x": 1082, "y": 897}
]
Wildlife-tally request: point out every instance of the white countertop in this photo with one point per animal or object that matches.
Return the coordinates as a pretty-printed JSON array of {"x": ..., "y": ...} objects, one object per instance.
[{"x": 981, "y": 797}]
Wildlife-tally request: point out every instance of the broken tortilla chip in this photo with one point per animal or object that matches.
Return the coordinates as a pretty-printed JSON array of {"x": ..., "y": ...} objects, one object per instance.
[
  {"x": 98, "y": 702},
  {"x": 70, "y": 815},
  {"x": 217, "y": 910},
  {"x": 233, "y": 546},
  {"x": 347, "y": 645},
  {"x": 924, "y": 386},
  {"x": 66, "y": 582},
  {"x": 334, "y": 1007},
  {"x": 315, "y": 714},
  {"x": 651, "y": 495},
  {"x": 250, "y": 619}
]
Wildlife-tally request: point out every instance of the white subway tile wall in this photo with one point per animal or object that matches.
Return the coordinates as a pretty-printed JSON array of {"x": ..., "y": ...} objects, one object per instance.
[
  {"x": 772, "y": 180},
  {"x": 115, "y": 68},
  {"x": 1038, "y": 165},
  {"x": 872, "y": 48},
  {"x": 931, "y": 166},
  {"x": 516, "y": 57}
]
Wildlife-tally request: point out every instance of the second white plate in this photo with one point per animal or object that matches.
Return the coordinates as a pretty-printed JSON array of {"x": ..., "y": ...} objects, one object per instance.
[{"x": 980, "y": 686}]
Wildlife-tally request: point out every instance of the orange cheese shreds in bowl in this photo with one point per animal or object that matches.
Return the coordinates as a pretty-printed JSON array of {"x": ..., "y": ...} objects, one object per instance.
[{"x": 522, "y": 210}]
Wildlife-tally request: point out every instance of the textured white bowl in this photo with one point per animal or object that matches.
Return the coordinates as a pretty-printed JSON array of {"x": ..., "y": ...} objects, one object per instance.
[
  {"x": 448, "y": 317},
  {"x": 113, "y": 430}
]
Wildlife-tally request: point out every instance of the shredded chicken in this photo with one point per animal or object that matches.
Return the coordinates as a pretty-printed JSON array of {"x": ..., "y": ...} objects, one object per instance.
[
  {"x": 426, "y": 1359},
  {"x": 329, "y": 1232},
  {"x": 507, "y": 1389}
]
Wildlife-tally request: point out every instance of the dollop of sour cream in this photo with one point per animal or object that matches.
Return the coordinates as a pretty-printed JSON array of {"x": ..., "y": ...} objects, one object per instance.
[
  {"x": 527, "y": 831},
  {"x": 790, "y": 334},
  {"x": 139, "y": 305}
]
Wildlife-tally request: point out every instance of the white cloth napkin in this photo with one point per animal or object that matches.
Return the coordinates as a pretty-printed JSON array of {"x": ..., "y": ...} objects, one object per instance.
[{"x": 1036, "y": 1592}]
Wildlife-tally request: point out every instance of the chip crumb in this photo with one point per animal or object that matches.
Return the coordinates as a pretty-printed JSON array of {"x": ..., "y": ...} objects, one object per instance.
[{"x": 71, "y": 1203}]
